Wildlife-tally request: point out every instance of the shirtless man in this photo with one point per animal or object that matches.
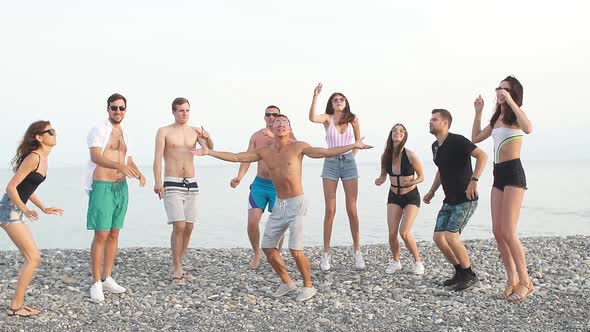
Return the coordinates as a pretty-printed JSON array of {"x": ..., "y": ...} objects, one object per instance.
[
  {"x": 110, "y": 163},
  {"x": 262, "y": 191},
  {"x": 179, "y": 188},
  {"x": 283, "y": 159}
]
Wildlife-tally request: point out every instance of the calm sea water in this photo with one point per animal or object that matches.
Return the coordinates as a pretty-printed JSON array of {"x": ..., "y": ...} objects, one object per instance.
[{"x": 557, "y": 203}]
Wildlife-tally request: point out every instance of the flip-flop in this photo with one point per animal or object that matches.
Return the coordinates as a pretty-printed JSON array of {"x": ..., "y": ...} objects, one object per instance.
[
  {"x": 11, "y": 312},
  {"x": 179, "y": 281},
  {"x": 187, "y": 275}
]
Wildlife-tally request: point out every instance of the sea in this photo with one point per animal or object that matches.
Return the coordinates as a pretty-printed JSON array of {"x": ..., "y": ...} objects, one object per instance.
[{"x": 557, "y": 203}]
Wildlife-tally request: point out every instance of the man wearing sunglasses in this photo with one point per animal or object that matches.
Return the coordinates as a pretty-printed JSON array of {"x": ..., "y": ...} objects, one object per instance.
[
  {"x": 179, "y": 188},
  {"x": 262, "y": 191},
  {"x": 284, "y": 161},
  {"x": 109, "y": 166}
]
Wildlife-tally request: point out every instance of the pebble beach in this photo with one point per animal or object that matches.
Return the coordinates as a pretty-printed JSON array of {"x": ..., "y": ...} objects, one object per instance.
[{"x": 226, "y": 296}]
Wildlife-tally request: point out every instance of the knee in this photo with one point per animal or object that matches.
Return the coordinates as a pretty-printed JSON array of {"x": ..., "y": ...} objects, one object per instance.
[
  {"x": 269, "y": 252},
  {"x": 330, "y": 212},
  {"x": 188, "y": 227},
  {"x": 451, "y": 237},
  {"x": 114, "y": 235},
  {"x": 101, "y": 237},
  {"x": 438, "y": 238},
  {"x": 296, "y": 253},
  {"x": 179, "y": 227},
  {"x": 34, "y": 258},
  {"x": 405, "y": 235},
  {"x": 352, "y": 212}
]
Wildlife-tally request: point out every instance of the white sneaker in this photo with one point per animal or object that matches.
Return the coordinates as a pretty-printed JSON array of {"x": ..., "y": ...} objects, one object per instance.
[
  {"x": 96, "y": 294},
  {"x": 110, "y": 285},
  {"x": 419, "y": 268},
  {"x": 393, "y": 266},
  {"x": 306, "y": 294},
  {"x": 325, "y": 264},
  {"x": 359, "y": 262},
  {"x": 285, "y": 288}
]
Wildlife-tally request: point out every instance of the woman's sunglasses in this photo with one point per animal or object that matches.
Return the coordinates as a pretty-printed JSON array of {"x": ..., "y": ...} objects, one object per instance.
[{"x": 48, "y": 131}]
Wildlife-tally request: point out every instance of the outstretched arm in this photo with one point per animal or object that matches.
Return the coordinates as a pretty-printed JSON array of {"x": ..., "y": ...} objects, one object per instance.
[
  {"x": 242, "y": 157},
  {"x": 314, "y": 152}
]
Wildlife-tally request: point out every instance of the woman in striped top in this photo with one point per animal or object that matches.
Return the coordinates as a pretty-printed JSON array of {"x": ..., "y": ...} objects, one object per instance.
[
  {"x": 342, "y": 128},
  {"x": 506, "y": 128}
]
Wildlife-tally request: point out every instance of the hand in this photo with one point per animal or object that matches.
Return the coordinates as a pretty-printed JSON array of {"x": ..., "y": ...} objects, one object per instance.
[
  {"x": 159, "y": 190},
  {"x": 380, "y": 180},
  {"x": 203, "y": 134},
  {"x": 360, "y": 145},
  {"x": 428, "y": 196},
  {"x": 317, "y": 90},
  {"x": 56, "y": 211},
  {"x": 478, "y": 104},
  {"x": 141, "y": 180},
  {"x": 406, "y": 182},
  {"x": 128, "y": 171},
  {"x": 203, "y": 151},
  {"x": 31, "y": 214},
  {"x": 234, "y": 182},
  {"x": 471, "y": 191},
  {"x": 505, "y": 94}
]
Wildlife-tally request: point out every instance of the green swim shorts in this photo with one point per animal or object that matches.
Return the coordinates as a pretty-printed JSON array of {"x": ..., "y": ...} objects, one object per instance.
[{"x": 107, "y": 205}]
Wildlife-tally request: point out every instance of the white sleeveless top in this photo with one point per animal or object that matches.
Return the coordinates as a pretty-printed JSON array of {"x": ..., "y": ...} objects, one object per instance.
[
  {"x": 336, "y": 139},
  {"x": 503, "y": 135}
]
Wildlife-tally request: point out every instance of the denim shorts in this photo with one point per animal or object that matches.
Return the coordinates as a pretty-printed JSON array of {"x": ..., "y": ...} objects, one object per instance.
[
  {"x": 340, "y": 167},
  {"x": 9, "y": 213},
  {"x": 453, "y": 218}
]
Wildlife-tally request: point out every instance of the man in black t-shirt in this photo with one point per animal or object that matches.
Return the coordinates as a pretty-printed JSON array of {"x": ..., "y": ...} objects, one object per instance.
[{"x": 452, "y": 155}]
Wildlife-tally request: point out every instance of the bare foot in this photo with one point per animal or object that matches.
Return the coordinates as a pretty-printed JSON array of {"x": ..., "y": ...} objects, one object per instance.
[
  {"x": 187, "y": 275},
  {"x": 254, "y": 261}
]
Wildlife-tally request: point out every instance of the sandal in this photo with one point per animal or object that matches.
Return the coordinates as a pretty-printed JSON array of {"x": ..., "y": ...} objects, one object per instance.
[
  {"x": 187, "y": 275},
  {"x": 179, "y": 281},
  {"x": 505, "y": 294},
  {"x": 11, "y": 312},
  {"x": 516, "y": 297}
]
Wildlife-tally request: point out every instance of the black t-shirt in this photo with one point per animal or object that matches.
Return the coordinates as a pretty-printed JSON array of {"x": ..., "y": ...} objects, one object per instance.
[{"x": 453, "y": 159}]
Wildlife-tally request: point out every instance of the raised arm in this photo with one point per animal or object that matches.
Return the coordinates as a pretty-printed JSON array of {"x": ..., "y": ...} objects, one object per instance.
[
  {"x": 243, "y": 166},
  {"x": 313, "y": 117},
  {"x": 157, "y": 167},
  {"x": 478, "y": 135},
  {"x": 314, "y": 152}
]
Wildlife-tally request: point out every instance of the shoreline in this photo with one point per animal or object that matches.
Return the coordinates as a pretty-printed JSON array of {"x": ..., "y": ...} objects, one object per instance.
[{"x": 226, "y": 295}]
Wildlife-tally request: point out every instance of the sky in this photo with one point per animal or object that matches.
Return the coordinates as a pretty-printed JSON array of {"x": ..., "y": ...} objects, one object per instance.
[{"x": 395, "y": 61}]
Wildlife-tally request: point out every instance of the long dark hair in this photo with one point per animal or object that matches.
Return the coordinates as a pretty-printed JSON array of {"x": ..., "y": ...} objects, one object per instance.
[
  {"x": 393, "y": 151},
  {"x": 516, "y": 92},
  {"x": 347, "y": 116},
  {"x": 29, "y": 143}
]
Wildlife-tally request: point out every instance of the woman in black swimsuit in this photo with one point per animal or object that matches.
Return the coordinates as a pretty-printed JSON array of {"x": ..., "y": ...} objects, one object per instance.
[
  {"x": 403, "y": 201},
  {"x": 30, "y": 169}
]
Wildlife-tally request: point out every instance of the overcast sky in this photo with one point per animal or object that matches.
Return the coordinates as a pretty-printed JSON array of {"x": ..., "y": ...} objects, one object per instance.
[{"x": 394, "y": 60}]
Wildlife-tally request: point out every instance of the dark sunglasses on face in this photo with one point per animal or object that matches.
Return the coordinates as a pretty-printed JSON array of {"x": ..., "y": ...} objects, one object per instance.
[
  {"x": 335, "y": 100},
  {"x": 120, "y": 108},
  {"x": 505, "y": 89},
  {"x": 268, "y": 115},
  {"x": 48, "y": 131}
]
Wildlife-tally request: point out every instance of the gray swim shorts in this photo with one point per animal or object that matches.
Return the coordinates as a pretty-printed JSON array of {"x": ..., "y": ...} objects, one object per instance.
[
  {"x": 181, "y": 197},
  {"x": 287, "y": 213}
]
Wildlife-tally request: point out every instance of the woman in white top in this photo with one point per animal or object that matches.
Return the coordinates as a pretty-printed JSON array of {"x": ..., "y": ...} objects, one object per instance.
[
  {"x": 506, "y": 128},
  {"x": 342, "y": 128}
]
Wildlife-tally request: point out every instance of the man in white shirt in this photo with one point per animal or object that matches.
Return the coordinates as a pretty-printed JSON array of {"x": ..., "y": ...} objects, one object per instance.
[{"x": 110, "y": 163}]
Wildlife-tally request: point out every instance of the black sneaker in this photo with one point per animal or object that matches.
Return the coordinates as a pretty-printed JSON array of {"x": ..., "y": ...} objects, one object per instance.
[
  {"x": 467, "y": 281},
  {"x": 453, "y": 281}
]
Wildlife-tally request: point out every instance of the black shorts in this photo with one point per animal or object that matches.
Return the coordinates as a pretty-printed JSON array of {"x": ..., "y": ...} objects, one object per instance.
[
  {"x": 509, "y": 173},
  {"x": 412, "y": 197}
]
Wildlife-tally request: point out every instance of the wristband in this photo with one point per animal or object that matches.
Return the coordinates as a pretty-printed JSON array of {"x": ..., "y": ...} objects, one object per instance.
[{"x": 473, "y": 178}]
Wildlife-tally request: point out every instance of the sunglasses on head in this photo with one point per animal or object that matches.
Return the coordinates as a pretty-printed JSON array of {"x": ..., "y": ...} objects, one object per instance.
[
  {"x": 268, "y": 115},
  {"x": 120, "y": 108},
  {"x": 48, "y": 131},
  {"x": 505, "y": 89}
]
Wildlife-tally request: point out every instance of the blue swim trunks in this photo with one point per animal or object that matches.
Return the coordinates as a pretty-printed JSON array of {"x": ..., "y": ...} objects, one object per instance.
[{"x": 262, "y": 192}]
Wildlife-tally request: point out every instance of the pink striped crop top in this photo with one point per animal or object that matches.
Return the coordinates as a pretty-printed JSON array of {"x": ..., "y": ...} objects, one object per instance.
[{"x": 336, "y": 139}]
